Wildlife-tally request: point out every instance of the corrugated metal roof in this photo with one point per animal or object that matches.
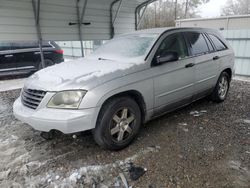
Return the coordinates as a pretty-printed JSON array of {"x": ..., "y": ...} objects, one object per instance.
[{"x": 17, "y": 19}]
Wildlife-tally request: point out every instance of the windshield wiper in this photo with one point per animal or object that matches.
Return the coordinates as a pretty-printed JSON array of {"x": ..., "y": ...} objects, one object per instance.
[{"x": 100, "y": 59}]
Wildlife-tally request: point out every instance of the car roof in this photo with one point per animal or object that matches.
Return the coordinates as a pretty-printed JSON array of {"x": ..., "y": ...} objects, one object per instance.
[{"x": 162, "y": 30}]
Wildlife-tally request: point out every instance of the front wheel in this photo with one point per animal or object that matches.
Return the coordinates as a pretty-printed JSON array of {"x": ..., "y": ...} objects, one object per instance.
[
  {"x": 118, "y": 123},
  {"x": 221, "y": 89}
]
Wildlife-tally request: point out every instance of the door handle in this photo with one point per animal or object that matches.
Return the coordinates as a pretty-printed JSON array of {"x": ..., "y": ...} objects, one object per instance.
[
  {"x": 8, "y": 55},
  {"x": 190, "y": 65},
  {"x": 216, "y": 58}
]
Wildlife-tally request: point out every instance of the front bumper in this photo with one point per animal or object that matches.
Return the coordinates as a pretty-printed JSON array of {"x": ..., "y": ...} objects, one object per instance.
[{"x": 46, "y": 119}]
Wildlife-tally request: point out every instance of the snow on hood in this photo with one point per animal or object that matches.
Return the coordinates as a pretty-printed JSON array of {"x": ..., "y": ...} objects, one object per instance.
[{"x": 78, "y": 74}]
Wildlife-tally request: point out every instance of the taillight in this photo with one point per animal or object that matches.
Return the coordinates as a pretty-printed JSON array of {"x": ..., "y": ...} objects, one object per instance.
[{"x": 59, "y": 51}]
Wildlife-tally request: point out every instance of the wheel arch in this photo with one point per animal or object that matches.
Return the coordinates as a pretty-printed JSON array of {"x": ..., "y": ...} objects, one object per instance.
[
  {"x": 229, "y": 72},
  {"x": 135, "y": 95}
]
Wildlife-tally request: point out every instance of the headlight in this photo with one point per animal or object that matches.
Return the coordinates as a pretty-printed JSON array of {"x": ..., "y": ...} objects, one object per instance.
[{"x": 66, "y": 99}]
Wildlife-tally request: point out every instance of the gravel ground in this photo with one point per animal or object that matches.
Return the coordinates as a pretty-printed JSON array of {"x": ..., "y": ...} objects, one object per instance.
[{"x": 202, "y": 145}]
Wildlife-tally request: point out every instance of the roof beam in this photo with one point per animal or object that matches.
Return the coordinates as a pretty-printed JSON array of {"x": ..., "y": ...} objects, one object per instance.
[
  {"x": 117, "y": 11},
  {"x": 83, "y": 11},
  {"x": 137, "y": 10},
  {"x": 80, "y": 17},
  {"x": 36, "y": 9},
  {"x": 113, "y": 18},
  {"x": 141, "y": 16}
]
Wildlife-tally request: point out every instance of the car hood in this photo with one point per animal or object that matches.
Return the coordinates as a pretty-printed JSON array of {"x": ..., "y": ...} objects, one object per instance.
[{"x": 79, "y": 74}]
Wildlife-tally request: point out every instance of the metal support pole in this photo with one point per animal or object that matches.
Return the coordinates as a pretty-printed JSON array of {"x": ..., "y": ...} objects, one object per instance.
[
  {"x": 83, "y": 10},
  {"x": 117, "y": 11},
  {"x": 175, "y": 9},
  {"x": 141, "y": 16},
  {"x": 112, "y": 20},
  {"x": 80, "y": 17},
  {"x": 36, "y": 10},
  {"x": 136, "y": 19},
  {"x": 138, "y": 8}
]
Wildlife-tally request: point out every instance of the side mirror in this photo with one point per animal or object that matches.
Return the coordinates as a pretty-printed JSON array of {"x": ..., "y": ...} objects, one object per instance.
[{"x": 167, "y": 57}]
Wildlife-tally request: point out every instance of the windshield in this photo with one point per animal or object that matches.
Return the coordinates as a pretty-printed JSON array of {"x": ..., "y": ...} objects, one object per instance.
[{"x": 128, "y": 46}]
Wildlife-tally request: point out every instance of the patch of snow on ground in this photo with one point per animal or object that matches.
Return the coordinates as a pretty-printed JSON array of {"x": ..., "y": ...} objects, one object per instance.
[
  {"x": 7, "y": 85},
  {"x": 86, "y": 174}
]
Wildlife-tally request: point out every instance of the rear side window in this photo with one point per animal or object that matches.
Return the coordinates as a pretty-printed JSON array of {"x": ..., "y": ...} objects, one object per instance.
[
  {"x": 197, "y": 43},
  {"x": 219, "y": 45},
  {"x": 24, "y": 45},
  {"x": 210, "y": 46},
  {"x": 29, "y": 45},
  {"x": 5, "y": 46}
]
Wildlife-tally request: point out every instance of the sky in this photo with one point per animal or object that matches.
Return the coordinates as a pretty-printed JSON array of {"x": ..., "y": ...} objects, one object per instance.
[{"x": 211, "y": 9}]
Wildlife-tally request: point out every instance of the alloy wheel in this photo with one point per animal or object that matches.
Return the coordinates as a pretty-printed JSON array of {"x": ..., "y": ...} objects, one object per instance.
[
  {"x": 122, "y": 125},
  {"x": 223, "y": 87}
]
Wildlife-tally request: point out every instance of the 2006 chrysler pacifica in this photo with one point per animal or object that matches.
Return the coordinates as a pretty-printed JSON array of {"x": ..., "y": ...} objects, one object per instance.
[{"x": 126, "y": 82}]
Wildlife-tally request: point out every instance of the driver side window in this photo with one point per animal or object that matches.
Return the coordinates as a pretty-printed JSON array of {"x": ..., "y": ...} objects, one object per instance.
[{"x": 173, "y": 43}]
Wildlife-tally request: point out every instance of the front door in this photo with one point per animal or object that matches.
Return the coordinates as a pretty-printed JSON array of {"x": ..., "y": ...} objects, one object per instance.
[{"x": 174, "y": 83}]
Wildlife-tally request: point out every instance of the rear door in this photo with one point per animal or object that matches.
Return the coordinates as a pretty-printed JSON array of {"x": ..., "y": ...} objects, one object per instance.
[
  {"x": 26, "y": 54},
  {"x": 222, "y": 56},
  {"x": 206, "y": 64},
  {"x": 173, "y": 85},
  {"x": 7, "y": 59}
]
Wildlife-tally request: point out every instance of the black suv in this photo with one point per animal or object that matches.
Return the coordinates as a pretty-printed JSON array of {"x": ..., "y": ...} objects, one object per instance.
[{"x": 22, "y": 58}]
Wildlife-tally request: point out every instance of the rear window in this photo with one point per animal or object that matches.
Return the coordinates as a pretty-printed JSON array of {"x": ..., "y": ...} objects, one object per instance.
[
  {"x": 219, "y": 45},
  {"x": 198, "y": 43}
]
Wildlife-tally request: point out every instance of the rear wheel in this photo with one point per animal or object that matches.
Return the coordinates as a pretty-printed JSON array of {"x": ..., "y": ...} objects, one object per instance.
[
  {"x": 221, "y": 89},
  {"x": 118, "y": 123}
]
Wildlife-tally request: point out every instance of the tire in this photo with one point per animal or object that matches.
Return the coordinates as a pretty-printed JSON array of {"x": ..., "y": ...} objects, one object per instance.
[
  {"x": 47, "y": 63},
  {"x": 221, "y": 89},
  {"x": 117, "y": 127}
]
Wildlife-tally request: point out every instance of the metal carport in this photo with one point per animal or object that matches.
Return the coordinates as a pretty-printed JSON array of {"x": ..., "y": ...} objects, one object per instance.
[{"x": 68, "y": 20}]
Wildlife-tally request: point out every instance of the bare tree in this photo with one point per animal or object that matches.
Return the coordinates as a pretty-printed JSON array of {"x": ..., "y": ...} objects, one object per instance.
[
  {"x": 163, "y": 13},
  {"x": 186, "y": 8},
  {"x": 236, "y": 7},
  {"x": 175, "y": 9}
]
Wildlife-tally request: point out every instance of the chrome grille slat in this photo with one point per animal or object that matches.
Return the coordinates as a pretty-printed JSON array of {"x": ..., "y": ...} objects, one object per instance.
[
  {"x": 32, "y": 98},
  {"x": 29, "y": 105},
  {"x": 33, "y": 92}
]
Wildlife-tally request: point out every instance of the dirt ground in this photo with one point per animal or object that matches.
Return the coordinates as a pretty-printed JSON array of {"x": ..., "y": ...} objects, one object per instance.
[{"x": 202, "y": 145}]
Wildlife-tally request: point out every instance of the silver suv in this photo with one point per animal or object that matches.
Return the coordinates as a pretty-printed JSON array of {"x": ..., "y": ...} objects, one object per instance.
[{"x": 127, "y": 82}]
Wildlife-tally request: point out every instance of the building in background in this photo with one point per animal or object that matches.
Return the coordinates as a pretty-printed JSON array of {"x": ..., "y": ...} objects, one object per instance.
[{"x": 236, "y": 29}]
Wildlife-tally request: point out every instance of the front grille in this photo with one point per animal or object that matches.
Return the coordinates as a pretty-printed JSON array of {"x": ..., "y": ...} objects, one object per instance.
[{"x": 32, "y": 98}]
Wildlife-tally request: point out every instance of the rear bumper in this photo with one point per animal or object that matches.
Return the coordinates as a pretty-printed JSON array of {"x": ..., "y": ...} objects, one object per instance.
[{"x": 46, "y": 119}]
